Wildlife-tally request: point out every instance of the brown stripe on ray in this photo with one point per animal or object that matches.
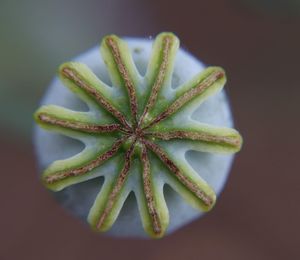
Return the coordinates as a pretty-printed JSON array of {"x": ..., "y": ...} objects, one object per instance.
[
  {"x": 95, "y": 94},
  {"x": 197, "y": 136},
  {"x": 75, "y": 125},
  {"x": 112, "y": 44},
  {"x": 187, "y": 96},
  {"x": 189, "y": 184},
  {"x": 148, "y": 192},
  {"x": 167, "y": 44},
  {"x": 118, "y": 186},
  {"x": 86, "y": 167}
]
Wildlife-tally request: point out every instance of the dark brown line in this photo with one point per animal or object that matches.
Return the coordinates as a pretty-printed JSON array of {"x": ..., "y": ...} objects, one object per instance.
[
  {"x": 125, "y": 76},
  {"x": 189, "y": 184},
  {"x": 118, "y": 186},
  {"x": 87, "y": 167},
  {"x": 73, "y": 76},
  {"x": 148, "y": 192},
  {"x": 75, "y": 125},
  {"x": 187, "y": 96},
  {"x": 227, "y": 140},
  {"x": 160, "y": 77}
]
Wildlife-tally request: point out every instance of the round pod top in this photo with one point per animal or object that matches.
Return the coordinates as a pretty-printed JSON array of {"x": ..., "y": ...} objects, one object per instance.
[{"x": 137, "y": 141}]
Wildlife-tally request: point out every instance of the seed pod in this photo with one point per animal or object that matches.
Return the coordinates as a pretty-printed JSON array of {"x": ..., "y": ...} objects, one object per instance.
[{"x": 138, "y": 140}]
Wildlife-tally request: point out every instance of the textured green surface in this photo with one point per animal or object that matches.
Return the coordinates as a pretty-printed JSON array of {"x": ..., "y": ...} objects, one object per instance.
[{"x": 91, "y": 89}]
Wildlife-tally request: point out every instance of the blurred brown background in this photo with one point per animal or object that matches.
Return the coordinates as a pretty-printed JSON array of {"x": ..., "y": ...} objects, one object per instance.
[{"x": 257, "y": 42}]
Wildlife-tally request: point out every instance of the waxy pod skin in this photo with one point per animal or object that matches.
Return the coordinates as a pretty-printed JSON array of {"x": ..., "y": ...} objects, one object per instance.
[{"x": 136, "y": 139}]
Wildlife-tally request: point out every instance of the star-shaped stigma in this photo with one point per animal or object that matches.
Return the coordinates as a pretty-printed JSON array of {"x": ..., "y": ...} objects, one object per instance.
[{"x": 137, "y": 125}]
